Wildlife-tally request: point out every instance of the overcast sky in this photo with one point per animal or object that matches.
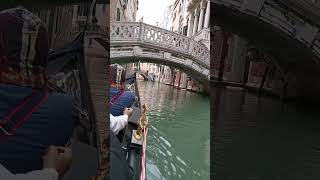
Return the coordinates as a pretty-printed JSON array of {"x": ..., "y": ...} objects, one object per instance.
[{"x": 152, "y": 11}]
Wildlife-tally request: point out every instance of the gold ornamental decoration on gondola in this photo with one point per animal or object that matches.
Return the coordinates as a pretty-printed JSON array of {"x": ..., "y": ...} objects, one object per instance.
[{"x": 142, "y": 124}]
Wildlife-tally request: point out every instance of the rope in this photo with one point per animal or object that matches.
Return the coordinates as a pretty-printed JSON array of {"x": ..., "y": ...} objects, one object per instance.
[
  {"x": 116, "y": 97},
  {"x": 18, "y": 108},
  {"x": 143, "y": 159}
]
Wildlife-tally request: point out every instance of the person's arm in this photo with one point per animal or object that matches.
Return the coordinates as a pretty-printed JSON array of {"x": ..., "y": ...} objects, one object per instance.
[
  {"x": 56, "y": 161},
  {"x": 44, "y": 174},
  {"x": 118, "y": 122}
]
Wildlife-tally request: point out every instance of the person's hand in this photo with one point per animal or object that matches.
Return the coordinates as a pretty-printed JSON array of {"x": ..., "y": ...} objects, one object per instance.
[
  {"x": 58, "y": 158},
  {"x": 128, "y": 111},
  {"x": 50, "y": 158},
  {"x": 64, "y": 159}
]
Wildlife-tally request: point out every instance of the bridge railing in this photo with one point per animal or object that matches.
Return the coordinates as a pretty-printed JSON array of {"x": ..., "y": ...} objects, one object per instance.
[{"x": 133, "y": 32}]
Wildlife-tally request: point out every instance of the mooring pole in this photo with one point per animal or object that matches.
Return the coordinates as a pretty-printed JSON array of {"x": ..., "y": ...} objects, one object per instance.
[
  {"x": 224, "y": 53},
  {"x": 266, "y": 71},
  {"x": 284, "y": 91}
]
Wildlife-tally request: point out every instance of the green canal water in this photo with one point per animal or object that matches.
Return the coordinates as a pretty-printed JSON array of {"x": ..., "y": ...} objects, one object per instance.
[
  {"x": 262, "y": 138},
  {"x": 179, "y": 133}
]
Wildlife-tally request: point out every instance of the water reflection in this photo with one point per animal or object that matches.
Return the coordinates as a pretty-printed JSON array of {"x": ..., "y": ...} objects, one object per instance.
[
  {"x": 179, "y": 133},
  {"x": 263, "y": 139}
]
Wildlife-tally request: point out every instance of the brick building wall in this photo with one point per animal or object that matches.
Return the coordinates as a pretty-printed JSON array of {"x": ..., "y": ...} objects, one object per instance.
[{"x": 215, "y": 51}]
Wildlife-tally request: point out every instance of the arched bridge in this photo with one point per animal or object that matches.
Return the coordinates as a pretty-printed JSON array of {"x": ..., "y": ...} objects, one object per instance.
[
  {"x": 135, "y": 41},
  {"x": 286, "y": 29},
  {"x": 131, "y": 41}
]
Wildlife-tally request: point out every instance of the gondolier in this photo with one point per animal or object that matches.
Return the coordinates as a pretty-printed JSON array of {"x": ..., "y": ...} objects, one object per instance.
[{"x": 119, "y": 97}]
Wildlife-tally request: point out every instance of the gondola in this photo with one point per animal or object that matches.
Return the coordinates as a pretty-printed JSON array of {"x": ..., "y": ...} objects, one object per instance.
[
  {"x": 87, "y": 139},
  {"x": 133, "y": 138}
]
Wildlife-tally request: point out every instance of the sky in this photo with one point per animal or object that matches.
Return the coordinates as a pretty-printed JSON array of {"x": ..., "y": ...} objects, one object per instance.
[{"x": 152, "y": 11}]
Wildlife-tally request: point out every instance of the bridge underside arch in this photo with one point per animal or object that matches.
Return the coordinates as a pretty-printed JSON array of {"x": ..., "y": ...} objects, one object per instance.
[
  {"x": 132, "y": 55},
  {"x": 291, "y": 54},
  {"x": 295, "y": 47}
]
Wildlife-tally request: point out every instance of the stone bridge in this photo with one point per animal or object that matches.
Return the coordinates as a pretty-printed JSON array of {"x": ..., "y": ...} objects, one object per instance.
[
  {"x": 287, "y": 29},
  {"x": 131, "y": 41},
  {"x": 140, "y": 42}
]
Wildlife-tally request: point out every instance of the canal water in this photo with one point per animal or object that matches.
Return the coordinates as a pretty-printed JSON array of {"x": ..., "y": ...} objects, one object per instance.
[
  {"x": 263, "y": 139},
  {"x": 179, "y": 131}
]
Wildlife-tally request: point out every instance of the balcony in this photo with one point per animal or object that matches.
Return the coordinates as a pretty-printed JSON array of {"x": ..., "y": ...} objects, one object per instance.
[{"x": 203, "y": 36}]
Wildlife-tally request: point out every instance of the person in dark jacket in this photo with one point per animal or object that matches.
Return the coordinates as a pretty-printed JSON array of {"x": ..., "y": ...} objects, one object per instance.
[
  {"x": 119, "y": 168},
  {"x": 31, "y": 119},
  {"x": 119, "y": 97}
]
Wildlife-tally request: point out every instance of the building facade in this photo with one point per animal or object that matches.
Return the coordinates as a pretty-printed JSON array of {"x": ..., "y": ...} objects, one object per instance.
[
  {"x": 177, "y": 18},
  {"x": 131, "y": 10},
  {"x": 197, "y": 21},
  {"x": 239, "y": 63},
  {"x": 166, "y": 20},
  {"x": 123, "y": 10}
]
